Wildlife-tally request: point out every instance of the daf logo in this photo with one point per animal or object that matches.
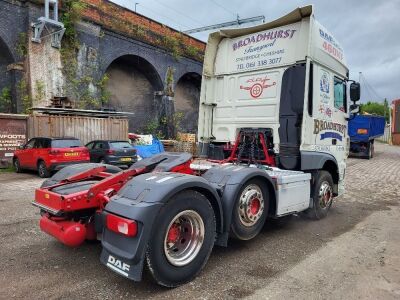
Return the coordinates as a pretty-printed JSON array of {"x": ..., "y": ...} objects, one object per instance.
[{"x": 118, "y": 264}]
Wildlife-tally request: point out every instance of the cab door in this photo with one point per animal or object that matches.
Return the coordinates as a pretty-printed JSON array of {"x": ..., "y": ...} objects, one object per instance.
[{"x": 327, "y": 116}]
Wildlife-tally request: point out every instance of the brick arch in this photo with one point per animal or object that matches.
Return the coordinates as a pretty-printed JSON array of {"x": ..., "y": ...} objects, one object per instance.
[
  {"x": 133, "y": 84},
  {"x": 7, "y": 78},
  {"x": 130, "y": 48},
  {"x": 186, "y": 100},
  {"x": 5, "y": 47}
]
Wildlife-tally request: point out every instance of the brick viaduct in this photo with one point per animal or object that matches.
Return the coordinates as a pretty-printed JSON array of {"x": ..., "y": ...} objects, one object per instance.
[{"x": 132, "y": 49}]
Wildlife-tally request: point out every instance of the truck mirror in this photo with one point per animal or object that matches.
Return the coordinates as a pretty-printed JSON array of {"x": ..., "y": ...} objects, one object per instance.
[
  {"x": 354, "y": 109},
  {"x": 355, "y": 91}
]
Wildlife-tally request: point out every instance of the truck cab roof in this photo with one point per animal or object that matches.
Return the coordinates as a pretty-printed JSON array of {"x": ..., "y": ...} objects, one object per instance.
[{"x": 311, "y": 40}]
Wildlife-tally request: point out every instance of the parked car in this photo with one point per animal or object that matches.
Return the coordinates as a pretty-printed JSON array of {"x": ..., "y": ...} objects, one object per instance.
[
  {"x": 46, "y": 155},
  {"x": 112, "y": 152}
]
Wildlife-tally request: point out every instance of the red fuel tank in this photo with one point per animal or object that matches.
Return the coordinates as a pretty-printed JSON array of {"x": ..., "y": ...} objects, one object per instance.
[{"x": 69, "y": 233}]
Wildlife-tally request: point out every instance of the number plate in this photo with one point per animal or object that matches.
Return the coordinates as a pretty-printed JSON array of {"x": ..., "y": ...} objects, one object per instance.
[
  {"x": 126, "y": 159},
  {"x": 71, "y": 154}
]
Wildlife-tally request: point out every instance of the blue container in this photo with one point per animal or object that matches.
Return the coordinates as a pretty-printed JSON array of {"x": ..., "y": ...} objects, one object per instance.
[{"x": 364, "y": 128}]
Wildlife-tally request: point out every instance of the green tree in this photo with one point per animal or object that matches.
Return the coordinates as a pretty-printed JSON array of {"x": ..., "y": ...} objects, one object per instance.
[{"x": 376, "y": 108}]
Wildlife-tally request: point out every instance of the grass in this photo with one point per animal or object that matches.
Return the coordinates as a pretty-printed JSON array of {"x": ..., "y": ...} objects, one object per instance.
[{"x": 7, "y": 170}]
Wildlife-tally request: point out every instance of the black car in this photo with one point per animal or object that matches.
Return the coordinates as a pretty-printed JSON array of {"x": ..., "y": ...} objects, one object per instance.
[{"x": 112, "y": 152}]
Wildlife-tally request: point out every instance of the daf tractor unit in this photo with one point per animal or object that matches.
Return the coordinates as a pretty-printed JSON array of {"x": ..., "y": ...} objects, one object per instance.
[{"x": 273, "y": 124}]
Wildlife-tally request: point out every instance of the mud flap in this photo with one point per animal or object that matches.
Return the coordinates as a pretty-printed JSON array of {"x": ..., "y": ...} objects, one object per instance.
[{"x": 122, "y": 266}]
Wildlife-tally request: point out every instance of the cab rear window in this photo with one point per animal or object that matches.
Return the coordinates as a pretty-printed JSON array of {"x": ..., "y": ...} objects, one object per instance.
[
  {"x": 119, "y": 145},
  {"x": 66, "y": 143}
]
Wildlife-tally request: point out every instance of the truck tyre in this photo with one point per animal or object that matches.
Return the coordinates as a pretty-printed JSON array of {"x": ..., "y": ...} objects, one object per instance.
[
  {"x": 42, "y": 170},
  {"x": 250, "y": 210},
  {"x": 322, "y": 196},
  {"x": 17, "y": 166},
  {"x": 182, "y": 238},
  {"x": 370, "y": 150}
]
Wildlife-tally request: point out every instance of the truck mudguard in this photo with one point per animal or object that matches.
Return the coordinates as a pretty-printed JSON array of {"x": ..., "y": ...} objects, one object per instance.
[
  {"x": 140, "y": 200},
  {"x": 228, "y": 180},
  {"x": 315, "y": 160}
]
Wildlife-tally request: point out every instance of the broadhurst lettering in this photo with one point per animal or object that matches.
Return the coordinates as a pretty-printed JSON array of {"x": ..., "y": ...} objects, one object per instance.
[
  {"x": 270, "y": 35},
  {"x": 320, "y": 125}
]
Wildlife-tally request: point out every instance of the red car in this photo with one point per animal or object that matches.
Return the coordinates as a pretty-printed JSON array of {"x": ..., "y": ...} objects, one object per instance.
[{"x": 49, "y": 154}]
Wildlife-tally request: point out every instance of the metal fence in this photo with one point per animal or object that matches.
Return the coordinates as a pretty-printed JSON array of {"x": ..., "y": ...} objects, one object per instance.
[{"x": 385, "y": 138}]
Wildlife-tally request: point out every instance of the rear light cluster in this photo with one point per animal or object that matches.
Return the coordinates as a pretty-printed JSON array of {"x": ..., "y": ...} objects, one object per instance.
[
  {"x": 53, "y": 151},
  {"x": 362, "y": 131},
  {"x": 121, "y": 225},
  {"x": 110, "y": 152}
]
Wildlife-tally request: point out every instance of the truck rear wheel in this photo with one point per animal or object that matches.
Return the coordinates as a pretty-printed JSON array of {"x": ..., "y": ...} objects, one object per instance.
[
  {"x": 250, "y": 210},
  {"x": 182, "y": 239},
  {"x": 370, "y": 150},
  {"x": 322, "y": 196}
]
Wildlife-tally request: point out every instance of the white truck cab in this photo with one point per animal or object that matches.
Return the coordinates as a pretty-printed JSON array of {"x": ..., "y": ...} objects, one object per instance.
[
  {"x": 273, "y": 98},
  {"x": 288, "y": 76}
]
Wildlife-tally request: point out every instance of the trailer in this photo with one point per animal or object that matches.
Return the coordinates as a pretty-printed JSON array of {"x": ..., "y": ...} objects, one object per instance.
[
  {"x": 273, "y": 109},
  {"x": 363, "y": 130}
]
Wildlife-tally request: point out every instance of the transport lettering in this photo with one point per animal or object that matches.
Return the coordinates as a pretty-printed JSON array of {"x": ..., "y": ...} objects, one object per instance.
[{"x": 266, "y": 36}]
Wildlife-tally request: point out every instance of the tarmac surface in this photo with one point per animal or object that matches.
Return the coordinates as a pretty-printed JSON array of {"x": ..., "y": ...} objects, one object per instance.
[{"x": 353, "y": 253}]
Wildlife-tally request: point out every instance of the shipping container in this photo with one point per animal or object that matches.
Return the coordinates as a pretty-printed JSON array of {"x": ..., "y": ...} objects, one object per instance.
[{"x": 82, "y": 127}]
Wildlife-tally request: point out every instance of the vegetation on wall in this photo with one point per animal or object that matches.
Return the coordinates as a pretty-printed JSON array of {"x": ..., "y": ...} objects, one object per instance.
[
  {"x": 40, "y": 91},
  {"x": 22, "y": 90},
  {"x": 175, "y": 45},
  {"x": 169, "y": 82},
  {"x": 5, "y": 100},
  {"x": 158, "y": 127},
  {"x": 81, "y": 84},
  {"x": 21, "y": 46}
]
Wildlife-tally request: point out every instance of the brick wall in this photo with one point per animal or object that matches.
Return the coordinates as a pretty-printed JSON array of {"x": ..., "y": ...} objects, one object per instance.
[
  {"x": 119, "y": 19},
  {"x": 45, "y": 68}
]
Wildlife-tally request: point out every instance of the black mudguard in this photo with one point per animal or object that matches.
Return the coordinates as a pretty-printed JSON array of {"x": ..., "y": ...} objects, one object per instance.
[
  {"x": 141, "y": 199},
  {"x": 228, "y": 180}
]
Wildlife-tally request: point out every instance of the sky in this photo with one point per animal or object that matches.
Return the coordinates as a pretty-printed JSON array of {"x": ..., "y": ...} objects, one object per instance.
[{"x": 368, "y": 30}]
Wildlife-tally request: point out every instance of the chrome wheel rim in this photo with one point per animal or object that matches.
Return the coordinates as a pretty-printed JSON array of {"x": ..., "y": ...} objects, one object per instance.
[
  {"x": 325, "y": 194},
  {"x": 251, "y": 205},
  {"x": 184, "y": 238}
]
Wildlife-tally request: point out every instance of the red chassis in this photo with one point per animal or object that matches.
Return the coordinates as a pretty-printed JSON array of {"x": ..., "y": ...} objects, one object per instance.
[
  {"x": 70, "y": 217},
  {"x": 71, "y": 208}
]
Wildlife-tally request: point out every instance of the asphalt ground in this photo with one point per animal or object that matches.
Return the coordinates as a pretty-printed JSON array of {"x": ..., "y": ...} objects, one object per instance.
[{"x": 291, "y": 258}]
